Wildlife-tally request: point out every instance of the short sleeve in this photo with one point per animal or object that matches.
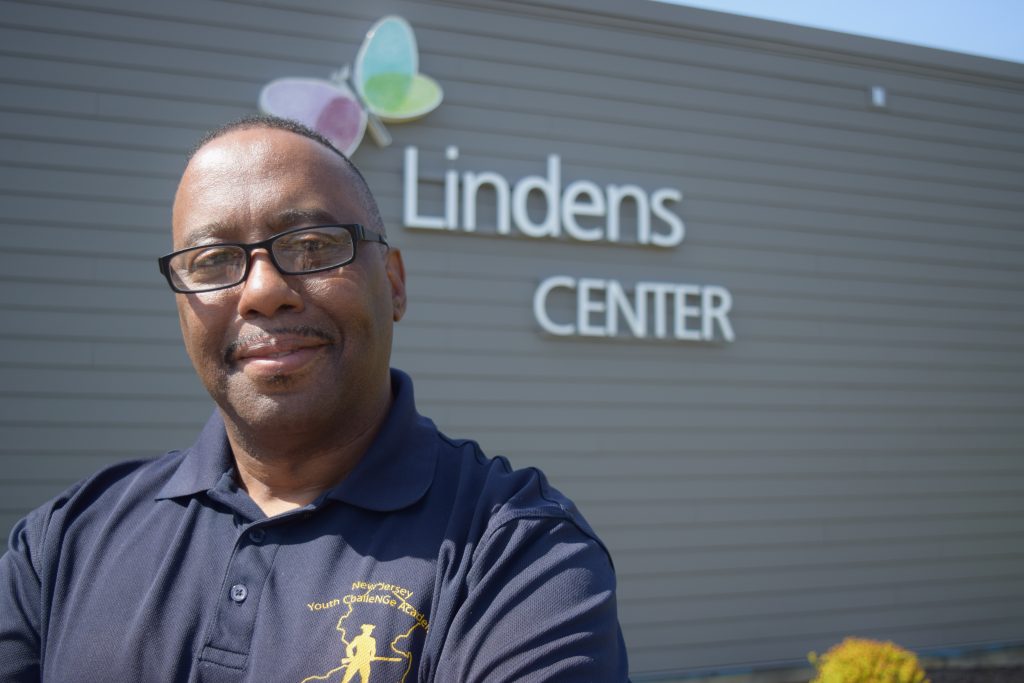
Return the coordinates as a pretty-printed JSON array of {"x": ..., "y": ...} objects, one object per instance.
[
  {"x": 19, "y": 610},
  {"x": 540, "y": 606}
]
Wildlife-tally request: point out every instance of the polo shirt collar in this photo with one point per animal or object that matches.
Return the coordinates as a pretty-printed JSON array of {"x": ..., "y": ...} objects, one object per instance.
[
  {"x": 394, "y": 473},
  {"x": 398, "y": 468},
  {"x": 203, "y": 465}
]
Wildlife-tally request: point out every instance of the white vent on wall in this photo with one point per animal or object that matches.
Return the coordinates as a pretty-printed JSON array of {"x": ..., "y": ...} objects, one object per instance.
[{"x": 878, "y": 96}]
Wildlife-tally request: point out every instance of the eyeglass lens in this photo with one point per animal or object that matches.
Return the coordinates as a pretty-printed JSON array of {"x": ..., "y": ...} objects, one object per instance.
[{"x": 302, "y": 251}]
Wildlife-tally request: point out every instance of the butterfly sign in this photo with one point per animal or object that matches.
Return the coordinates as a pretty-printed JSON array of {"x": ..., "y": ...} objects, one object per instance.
[{"x": 385, "y": 84}]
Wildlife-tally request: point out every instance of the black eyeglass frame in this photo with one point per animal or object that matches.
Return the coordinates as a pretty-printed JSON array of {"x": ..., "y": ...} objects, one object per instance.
[{"x": 357, "y": 231}]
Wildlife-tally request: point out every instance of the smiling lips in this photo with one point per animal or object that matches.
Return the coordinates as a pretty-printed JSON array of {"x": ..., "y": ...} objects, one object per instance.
[{"x": 274, "y": 356}]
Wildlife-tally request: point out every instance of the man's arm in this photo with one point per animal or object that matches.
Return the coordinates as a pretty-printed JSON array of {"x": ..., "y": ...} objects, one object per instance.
[
  {"x": 19, "y": 611},
  {"x": 540, "y": 607}
]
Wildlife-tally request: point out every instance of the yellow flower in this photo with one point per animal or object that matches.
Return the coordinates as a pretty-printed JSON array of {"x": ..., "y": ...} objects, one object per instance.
[{"x": 858, "y": 660}]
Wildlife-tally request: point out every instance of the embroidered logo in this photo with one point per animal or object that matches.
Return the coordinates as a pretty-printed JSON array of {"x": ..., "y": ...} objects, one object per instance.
[{"x": 364, "y": 658}]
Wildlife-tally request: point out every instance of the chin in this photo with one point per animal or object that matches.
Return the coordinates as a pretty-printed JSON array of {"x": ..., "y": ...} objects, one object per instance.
[{"x": 262, "y": 411}]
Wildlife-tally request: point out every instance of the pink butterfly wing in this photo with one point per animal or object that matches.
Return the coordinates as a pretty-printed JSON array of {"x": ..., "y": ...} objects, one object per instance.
[{"x": 330, "y": 109}]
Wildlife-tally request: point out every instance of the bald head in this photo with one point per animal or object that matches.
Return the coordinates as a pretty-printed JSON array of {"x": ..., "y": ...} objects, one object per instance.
[{"x": 272, "y": 123}]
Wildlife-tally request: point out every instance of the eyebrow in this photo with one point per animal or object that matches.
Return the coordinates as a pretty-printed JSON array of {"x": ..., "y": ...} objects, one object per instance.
[
  {"x": 289, "y": 217},
  {"x": 197, "y": 234},
  {"x": 281, "y": 221}
]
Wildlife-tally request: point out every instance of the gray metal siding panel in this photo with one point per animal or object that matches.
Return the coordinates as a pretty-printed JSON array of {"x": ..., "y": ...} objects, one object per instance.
[{"x": 850, "y": 465}]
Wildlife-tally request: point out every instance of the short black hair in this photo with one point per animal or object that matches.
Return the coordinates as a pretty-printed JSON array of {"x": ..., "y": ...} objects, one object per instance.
[{"x": 278, "y": 123}]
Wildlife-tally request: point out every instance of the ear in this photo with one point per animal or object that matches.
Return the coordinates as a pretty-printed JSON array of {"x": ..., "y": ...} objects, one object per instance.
[{"x": 395, "y": 270}]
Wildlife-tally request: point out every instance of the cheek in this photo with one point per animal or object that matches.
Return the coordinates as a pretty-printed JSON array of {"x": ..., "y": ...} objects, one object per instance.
[
  {"x": 200, "y": 330},
  {"x": 322, "y": 289},
  {"x": 355, "y": 307}
]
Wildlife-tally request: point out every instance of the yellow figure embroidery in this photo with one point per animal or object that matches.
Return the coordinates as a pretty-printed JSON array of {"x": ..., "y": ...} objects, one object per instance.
[
  {"x": 358, "y": 655},
  {"x": 361, "y": 650}
]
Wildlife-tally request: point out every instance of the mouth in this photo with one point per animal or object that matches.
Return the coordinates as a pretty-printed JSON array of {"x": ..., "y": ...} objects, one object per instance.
[{"x": 275, "y": 353}]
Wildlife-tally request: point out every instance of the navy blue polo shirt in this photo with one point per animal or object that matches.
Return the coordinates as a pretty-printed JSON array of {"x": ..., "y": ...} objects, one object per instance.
[{"x": 429, "y": 562}]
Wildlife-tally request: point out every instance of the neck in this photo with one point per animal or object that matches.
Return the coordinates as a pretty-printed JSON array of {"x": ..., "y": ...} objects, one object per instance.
[{"x": 284, "y": 470}]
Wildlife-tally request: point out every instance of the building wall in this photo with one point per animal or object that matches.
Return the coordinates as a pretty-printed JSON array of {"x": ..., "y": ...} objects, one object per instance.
[{"x": 850, "y": 464}]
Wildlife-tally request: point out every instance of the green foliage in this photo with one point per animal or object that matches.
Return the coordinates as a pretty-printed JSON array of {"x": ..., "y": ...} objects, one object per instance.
[{"x": 857, "y": 660}]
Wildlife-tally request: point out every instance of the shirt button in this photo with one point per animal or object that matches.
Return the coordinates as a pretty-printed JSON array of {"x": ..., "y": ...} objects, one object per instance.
[
  {"x": 238, "y": 593},
  {"x": 257, "y": 535}
]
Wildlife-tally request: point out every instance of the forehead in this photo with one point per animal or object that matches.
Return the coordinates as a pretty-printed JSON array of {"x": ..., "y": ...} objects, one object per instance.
[{"x": 246, "y": 182}]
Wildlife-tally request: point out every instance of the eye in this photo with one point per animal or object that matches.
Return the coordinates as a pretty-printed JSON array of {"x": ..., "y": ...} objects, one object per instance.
[
  {"x": 212, "y": 258},
  {"x": 212, "y": 265},
  {"x": 313, "y": 249},
  {"x": 310, "y": 241}
]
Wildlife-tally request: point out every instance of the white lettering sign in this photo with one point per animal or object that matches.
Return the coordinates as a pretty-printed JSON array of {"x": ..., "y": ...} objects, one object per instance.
[
  {"x": 584, "y": 211},
  {"x": 655, "y": 310},
  {"x": 656, "y": 224}
]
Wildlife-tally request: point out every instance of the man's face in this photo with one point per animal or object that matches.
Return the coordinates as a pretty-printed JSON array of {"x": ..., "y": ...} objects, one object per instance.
[{"x": 292, "y": 352}]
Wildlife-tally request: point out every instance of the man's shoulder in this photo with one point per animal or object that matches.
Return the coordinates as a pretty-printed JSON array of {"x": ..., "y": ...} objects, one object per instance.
[
  {"x": 122, "y": 481},
  {"x": 139, "y": 475},
  {"x": 504, "y": 494},
  {"x": 527, "y": 557},
  {"x": 524, "y": 490}
]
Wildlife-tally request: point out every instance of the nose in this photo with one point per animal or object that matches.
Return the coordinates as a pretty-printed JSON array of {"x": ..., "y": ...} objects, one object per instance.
[{"x": 266, "y": 292}]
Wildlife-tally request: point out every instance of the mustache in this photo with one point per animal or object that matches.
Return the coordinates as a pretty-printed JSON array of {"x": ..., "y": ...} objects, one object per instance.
[{"x": 263, "y": 335}]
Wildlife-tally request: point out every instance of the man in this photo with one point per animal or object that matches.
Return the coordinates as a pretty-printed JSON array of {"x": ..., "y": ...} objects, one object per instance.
[
  {"x": 359, "y": 654},
  {"x": 316, "y": 502}
]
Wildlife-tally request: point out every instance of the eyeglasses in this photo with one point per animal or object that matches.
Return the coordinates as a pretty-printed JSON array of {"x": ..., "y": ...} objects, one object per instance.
[{"x": 294, "y": 252}]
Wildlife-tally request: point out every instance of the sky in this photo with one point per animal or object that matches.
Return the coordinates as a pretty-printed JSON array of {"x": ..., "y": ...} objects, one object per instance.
[{"x": 990, "y": 28}]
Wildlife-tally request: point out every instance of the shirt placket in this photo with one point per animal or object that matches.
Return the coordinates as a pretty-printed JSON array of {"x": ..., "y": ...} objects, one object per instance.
[{"x": 225, "y": 653}]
